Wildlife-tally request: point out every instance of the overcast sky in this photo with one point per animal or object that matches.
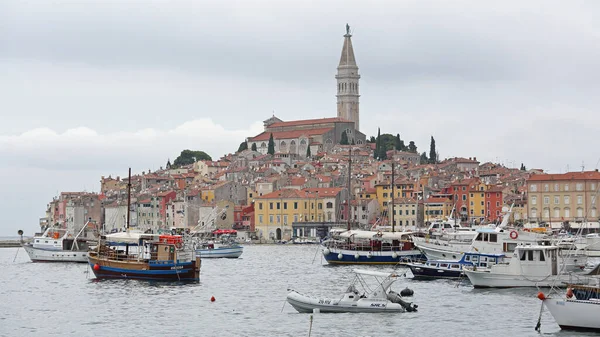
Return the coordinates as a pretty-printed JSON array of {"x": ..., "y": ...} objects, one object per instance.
[{"x": 92, "y": 88}]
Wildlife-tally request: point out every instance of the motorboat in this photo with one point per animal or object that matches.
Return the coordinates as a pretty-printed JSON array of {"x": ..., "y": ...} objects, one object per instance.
[
  {"x": 579, "y": 307},
  {"x": 380, "y": 299},
  {"x": 223, "y": 247},
  {"x": 58, "y": 245},
  {"x": 370, "y": 247},
  {"x": 433, "y": 269},
  {"x": 530, "y": 266}
]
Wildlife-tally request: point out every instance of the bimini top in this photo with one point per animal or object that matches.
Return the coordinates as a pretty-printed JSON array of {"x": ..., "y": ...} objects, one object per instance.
[
  {"x": 133, "y": 237},
  {"x": 373, "y": 273},
  {"x": 359, "y": 234}
]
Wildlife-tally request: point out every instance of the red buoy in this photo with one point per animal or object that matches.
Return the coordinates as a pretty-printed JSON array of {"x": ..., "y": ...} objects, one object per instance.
[
  {"x": 96, "y": 267},
  {"x": 541, "y": 296},
  {"x": 212, "y": 299}
]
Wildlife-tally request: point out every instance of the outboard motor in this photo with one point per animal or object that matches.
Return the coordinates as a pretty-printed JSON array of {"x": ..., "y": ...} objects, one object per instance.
[{"x": 396, "y": 298}]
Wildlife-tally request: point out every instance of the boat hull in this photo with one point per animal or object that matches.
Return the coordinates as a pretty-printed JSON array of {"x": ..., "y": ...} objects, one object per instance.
[
  {"x": 425, "y": 272},
  {"x": 484, "y": 279},
  {"x": 221, "y": 252},
  {"x": 305, "y": 304},
  {"x": 435, "y": 251},
  {"x": 574, "y": 314},
  {"x": 49, "y": 255},
  {"x": 346, "y": 256},
  {"x": 143, "y": 270}
]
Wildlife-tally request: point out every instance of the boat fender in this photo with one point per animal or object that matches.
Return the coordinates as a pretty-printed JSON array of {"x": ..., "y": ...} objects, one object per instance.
[
  {"x": 326, "y": 251},
  {"x": 356, "y": 256},
  {"x": 541, "y": 296},
  {"x": 369, "y": 255},
  {"x": 96, "y": 267},
  {"x": 569, "y": 293},
  {"x": 394, "y": 255},
  {"x": 340, "y": 256},
  {"x": 514, "y": 235},
  {"x": 406, "y": 292}
]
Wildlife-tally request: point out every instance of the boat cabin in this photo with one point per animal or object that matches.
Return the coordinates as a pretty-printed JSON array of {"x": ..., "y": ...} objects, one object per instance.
[{"x": 377, "y": 241}]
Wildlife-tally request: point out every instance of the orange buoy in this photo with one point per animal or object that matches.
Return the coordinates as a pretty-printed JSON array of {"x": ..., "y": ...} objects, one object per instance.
[
  {"x": 212, "y": 299},
  {"x": 541, "y": 296},
  {"x": 96, "y": 267},
  {"x": 569, "y": 292}
]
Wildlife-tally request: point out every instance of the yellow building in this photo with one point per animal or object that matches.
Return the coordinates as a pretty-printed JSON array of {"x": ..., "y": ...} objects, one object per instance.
[
  {"x": 274, "y": 212},
  {"x": 436, "y": 208},
  {"x": 404, "y": 189},
  {"x": 477, "y": 201},
  {"x": 207, "y": 194}
]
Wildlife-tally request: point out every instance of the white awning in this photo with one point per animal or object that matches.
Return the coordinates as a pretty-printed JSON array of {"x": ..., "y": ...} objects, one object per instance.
[
  {"x": 373, "y": 273},
  {"x": 130, "y": 237}
]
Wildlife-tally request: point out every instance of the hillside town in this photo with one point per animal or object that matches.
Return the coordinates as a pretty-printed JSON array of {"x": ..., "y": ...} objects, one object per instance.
[{"x": 300, "y": 178}]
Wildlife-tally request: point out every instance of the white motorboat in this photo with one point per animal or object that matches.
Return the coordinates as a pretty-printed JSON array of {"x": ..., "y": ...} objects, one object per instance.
[
  {"x": 530, "y": 266},
  {"x": 592, "y": 242},
  {"x": 380, "y": 299},
  {"x": 58, "y": 245},
  {"x": 211, "y": 250}
]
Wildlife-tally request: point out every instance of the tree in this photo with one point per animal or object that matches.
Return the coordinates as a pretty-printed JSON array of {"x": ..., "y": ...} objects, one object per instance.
[
  {"x": 399, "y": 143},
  {"x": 254, "y": 147},
  {"x": 308, "y": 154},
  {"x": 168, "y": 166},
  {"x": 243, "y": 146},
  {"x": 189, "y": 157},
  {"x": 344, "y": 140},
  {"x": 271, "y": 147},
  {"x": 372, "y": 140},
  {"x": 377, "y": 144},
  {"x": 424, "y": 158},
  {"x": 523, "y": 168},
  {"x": 412, "y": 147},
  {"x": 432, "y": 153}
]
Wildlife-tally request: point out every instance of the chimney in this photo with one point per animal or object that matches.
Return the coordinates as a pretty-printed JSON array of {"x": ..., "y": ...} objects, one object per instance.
[{"x": 475, "y": 158}]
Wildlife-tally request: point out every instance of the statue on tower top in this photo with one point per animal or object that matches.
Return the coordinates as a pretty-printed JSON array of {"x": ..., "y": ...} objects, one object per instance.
[{"x": 347, "y": 29}]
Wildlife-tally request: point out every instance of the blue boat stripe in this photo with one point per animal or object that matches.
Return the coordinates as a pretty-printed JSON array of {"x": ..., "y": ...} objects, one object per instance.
[{"x": 146, "y": 272}]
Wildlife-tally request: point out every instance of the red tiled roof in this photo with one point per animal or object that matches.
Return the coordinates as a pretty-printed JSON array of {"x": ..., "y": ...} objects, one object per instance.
[
  {"x": 308, "y": 122},
  {"x": 589, "y": 175},
  {"x": 324, "y": 191},
  {"x": 289, "y": 134},
  {"x": 287, "y": 193}
]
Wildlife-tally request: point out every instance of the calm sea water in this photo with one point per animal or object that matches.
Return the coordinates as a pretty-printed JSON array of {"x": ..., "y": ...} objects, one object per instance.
[{"x": 38, "y": 299}]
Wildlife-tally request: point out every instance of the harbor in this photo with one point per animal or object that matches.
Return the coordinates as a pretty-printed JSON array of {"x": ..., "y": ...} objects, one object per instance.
[{"x": 250, "y": 295}]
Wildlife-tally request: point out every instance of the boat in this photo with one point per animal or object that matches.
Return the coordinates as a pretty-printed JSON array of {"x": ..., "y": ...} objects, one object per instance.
[
  {"x": 370, "y": 247},
  {"x": 433, "y": 269},
  {"x": 59, "y": 245},
  {"x": 579, "y": 307},
  {"x": 530, "y": 266},
  {"x": 144, "y": 256},
  {"x": 304, "y": 241},
  {"x": 380, "y": 299},
  {"x": 592, "y": 242},
  {"x": 215, "y": 243}
]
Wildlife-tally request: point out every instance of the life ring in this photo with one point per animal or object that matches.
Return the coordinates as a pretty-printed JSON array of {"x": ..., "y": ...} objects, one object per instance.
[
  {"x": 514, "y": 235},
  {"x": 569, "y": 292}
]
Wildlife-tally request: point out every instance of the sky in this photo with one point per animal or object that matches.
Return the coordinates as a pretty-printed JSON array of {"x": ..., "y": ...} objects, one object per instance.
[{"x": 90, "y": 88}]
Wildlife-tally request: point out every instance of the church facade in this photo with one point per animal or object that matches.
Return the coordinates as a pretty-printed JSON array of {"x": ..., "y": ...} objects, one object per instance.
[{"x": 295, "y": 137}]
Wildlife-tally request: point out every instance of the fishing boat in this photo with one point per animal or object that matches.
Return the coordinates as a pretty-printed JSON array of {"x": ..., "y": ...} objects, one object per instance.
[
  {"x": 143, "y": 256},
  {"x": 433, "y": 269},
  {"x": 579, "y": 307},
  {"x": 59, "y": 245},
  {"x": 370, "y": 247},
  {"x": 380, "y": 299},
  {"x": 225, "y": 247},
  {"x": 530, "y": 266}
]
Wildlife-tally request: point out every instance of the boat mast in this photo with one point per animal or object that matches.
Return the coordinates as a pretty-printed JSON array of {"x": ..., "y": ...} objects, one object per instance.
[
  {"x": 349, "y": 185},
  {"x": 393, "y": 211},
  {"x": 128, "y": 198}
]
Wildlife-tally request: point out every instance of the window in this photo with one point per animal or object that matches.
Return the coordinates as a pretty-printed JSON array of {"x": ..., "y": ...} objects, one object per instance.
[
  {"x": 278, "y": 206},
  {"x": 567, "y": 199},
  {"x": 556, "y": 187},
  {"x": 533, "y": 188},
  {"x": 593, "y": 187},
  {"x": 579, "y": 212},
  {"x": 542, "y": 257},
  {"x": 295, "y": 205},
  {"x": 278, "y": 218},
  {"x": 567, "y": 212},
  {"x": 530, "y": 255},
  {"x": 580, "y": 200},
  {"x": 534, "y": 200},
  {"x": 330, "y": 205},
  {"x": 464, "y": 197},
  {"x": 471, "y": 195},
  {"x": 546, "y": 200},
  {"x": 546, "y": 213},
  {"x": 320, "y": 205},
  {"x": 271, "y": 218},
  {"x": 260, "y": 219},
  {"x": 546, "y": 187},
  {"x": 556, "y": 200},
  {"x": 497, "y": 203},
  {"x": 464, "y": 188},
  {"x": 472, "y": 203},
  {"x": 270, "y": 205},
  {"x": 493, "y": 237},
  {"x": 285, "y": 205},
  {"x": 557, "y": 212},
  {"x": 579, "y": 186},
  {"x": 534, "y": 212},
  {"x": 593, "y": 213},
  {"x": 482, "y": 203},
  {"x": 385, "y": 195},
  {"x": 566, "y": 187},
  {"x": 295, "y": 217}
]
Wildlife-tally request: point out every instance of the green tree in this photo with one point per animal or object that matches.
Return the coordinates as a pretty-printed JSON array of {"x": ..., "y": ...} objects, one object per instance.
[
  {"x": 168, "y": 166},
  {"x": 372, "y": 140},
  {"x": 377, "y": 144},
  {"x": 399, "y": 144},
  {"x": 189, "y": 157},
  {"x": 424, "y": 158},
  {"x": 412, "y": 147},
  {"x": 523, "y": 168},
  {"x": 344, "y": 140},
  {"x": 432, "y": 152},
  {"x": 243, "y": 146},
  {"x": 254, "y": 147},
  {"x": 271, "y": 147},
  {"x": 308, "y": 154}
]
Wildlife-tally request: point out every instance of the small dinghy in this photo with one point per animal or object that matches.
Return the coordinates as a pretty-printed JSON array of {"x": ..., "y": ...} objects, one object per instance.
[{"x": 380, "y": 299}]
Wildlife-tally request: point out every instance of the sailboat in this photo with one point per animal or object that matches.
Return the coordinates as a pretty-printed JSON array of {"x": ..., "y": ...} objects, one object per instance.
[{"x": 137, "y": 255}]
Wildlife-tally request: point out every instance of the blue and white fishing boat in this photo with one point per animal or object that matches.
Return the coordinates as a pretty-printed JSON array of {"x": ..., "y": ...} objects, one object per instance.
[
  {"x": 226, "y": 247},
  {"x": 370, "y": 247},
  {"x": 451, "y": 268}
]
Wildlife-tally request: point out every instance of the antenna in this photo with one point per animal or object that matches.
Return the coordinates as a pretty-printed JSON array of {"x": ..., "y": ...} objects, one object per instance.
[{"x": 582, "y": 166}]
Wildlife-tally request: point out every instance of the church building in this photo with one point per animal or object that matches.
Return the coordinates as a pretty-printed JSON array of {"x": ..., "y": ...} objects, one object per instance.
[{"x": 294, "y": 137}]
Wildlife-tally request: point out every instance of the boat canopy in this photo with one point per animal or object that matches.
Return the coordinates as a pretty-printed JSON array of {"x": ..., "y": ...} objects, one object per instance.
[
  {"x": 130, "y": 237},
  {"x": 224, "y": 231},
  {"x": 373, "y": 273},
  {"x": 359, "y": 234}
]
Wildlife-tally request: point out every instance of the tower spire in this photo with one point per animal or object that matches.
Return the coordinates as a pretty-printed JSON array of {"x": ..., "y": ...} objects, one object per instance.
[{"x": 347, "y": 82}]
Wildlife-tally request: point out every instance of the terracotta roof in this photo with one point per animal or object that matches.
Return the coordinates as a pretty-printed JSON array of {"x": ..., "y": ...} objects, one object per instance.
[
  {"x": 324, "y": 191},
  {"x": 287, "y": 193},
  {"x": 308, "y": 122},
  {"x": 589, "y": 175},
  {"x": 436, "y": 200},
  {"x": 289, "y": 134}
]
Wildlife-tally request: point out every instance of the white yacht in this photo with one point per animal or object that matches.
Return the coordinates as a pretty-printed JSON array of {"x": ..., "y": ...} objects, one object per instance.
[
  {"x": 531, "y": 266},
  {"x": 58, "y": 245}
]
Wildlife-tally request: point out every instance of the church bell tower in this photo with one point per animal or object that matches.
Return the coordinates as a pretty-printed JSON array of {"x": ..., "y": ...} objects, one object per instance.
[{"x": 347, "y": 83}]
